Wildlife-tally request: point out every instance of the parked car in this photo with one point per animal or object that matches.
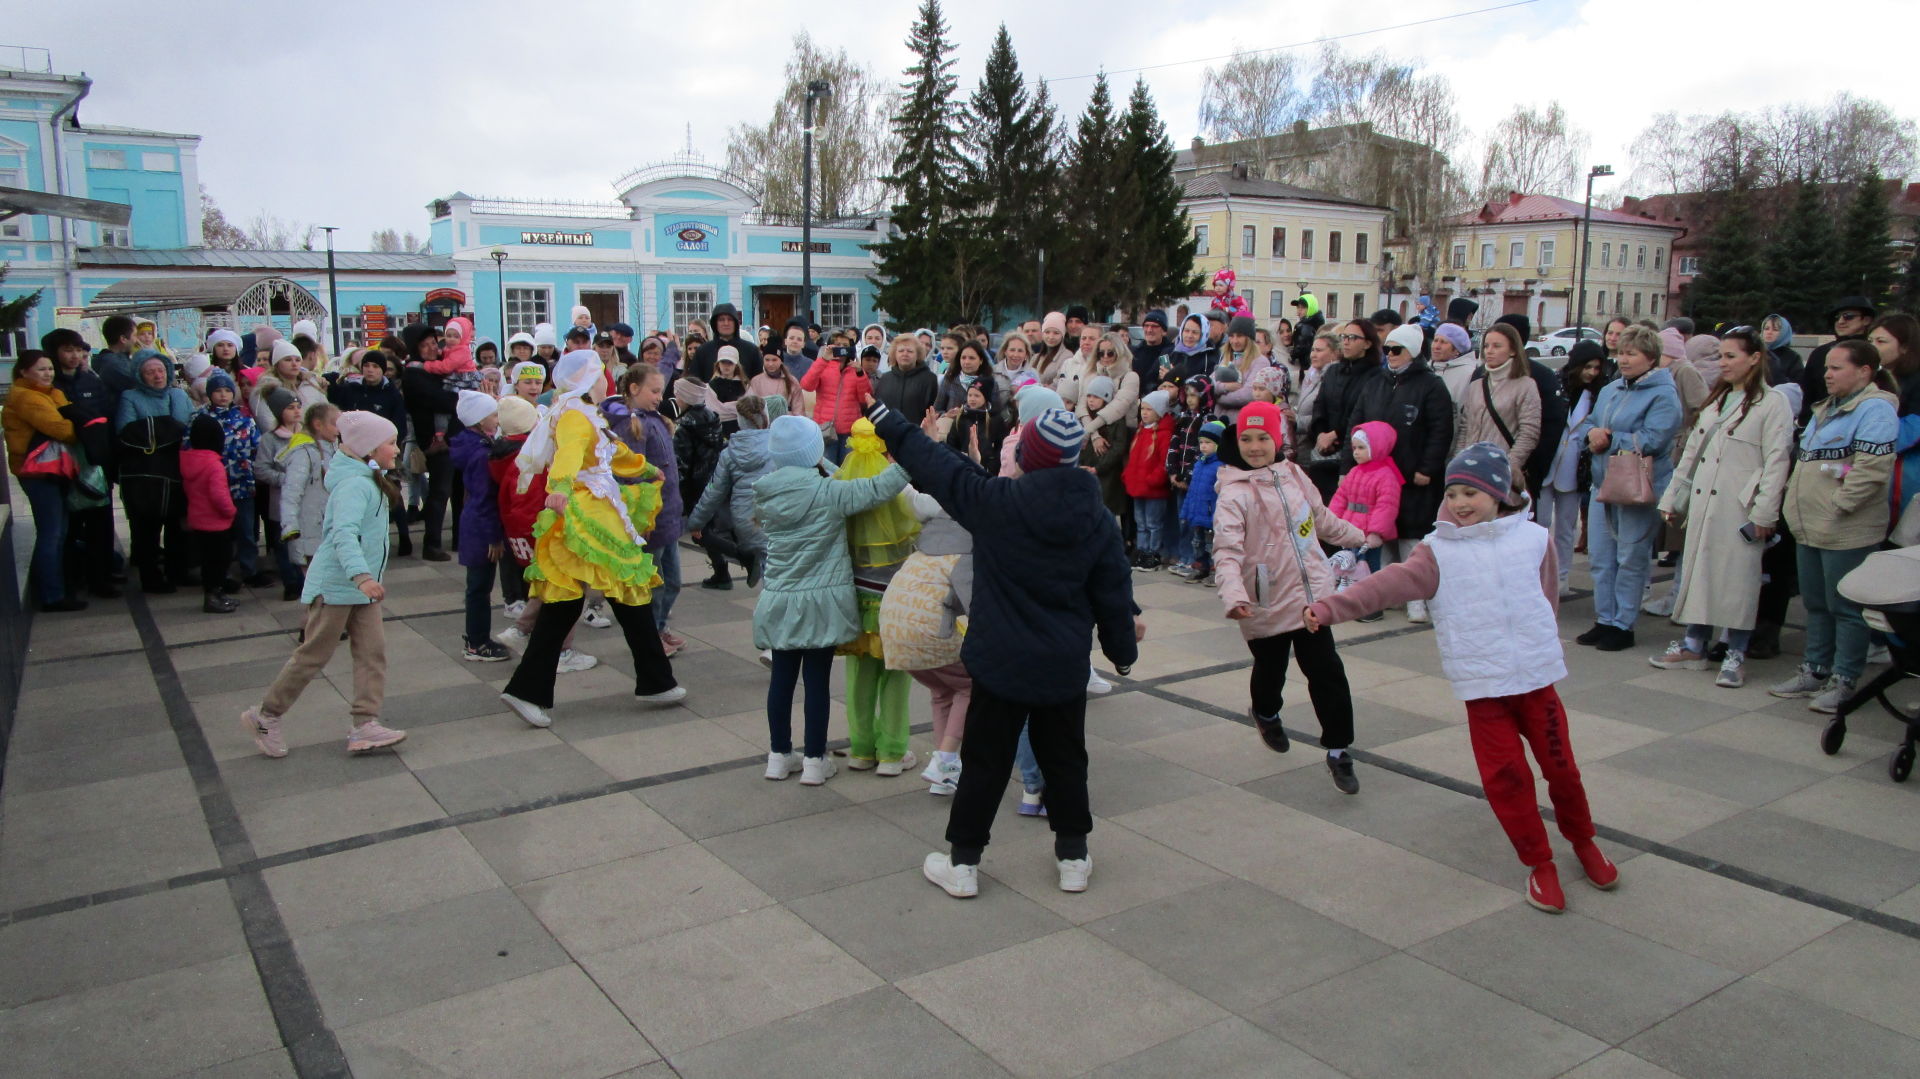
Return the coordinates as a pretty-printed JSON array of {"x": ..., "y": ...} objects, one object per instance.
[{"x": 1559, "y": 342}]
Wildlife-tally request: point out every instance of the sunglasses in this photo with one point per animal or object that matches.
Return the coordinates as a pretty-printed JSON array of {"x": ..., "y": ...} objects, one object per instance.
[
  {"x": 1396, "y": 350},
  {"x": 1107, "y": 352}
]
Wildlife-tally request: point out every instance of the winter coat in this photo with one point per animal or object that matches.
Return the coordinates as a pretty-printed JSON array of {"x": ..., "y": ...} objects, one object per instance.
[
  {"x": 1050, "y": 569},
  {"x": 655, "y": 442},
  {"x": 1644, "y": 416},
  {"x": 91, "y": 409},
  {"x": 993, "y": 433},
  {"x": 1109, "y": 466},
  {"x": 519, "y": 510},
  {"x": 765, "y": 385},
  {"x": 1783, "y": 362},
  {"x": 1517, "y": 401},
  {"x": 203, "y": 476},
  {"x": 384, "y": 400},
  {"x": 1196, "y": 508},
  {"x": 1369, "y": 496},
  {"x": 269, "y": 468},
  {"x": 1837, "y": 497},
  {"x": 426, "y": 394},
  {"x": 1415, "y": 402},
  {"x": 1124, "y": 409},
  {"x": 1813, "y": 378},
  {"x": 117, "y": 372},
  {"x": 32, "y": 411},
  {"x": 1183, "y": 449},
  {"x": 697, "y": 442},
  {"x": 839, "y": 393},
  {"x": 1307, "y": 329},
  {"x": 470, "y": 453},
  {"x": 920, "y": 613},
  {"x": 1147, "y": 361},
  {"x": 143, "y": 402},
  {"x": 148, "y": 458},
  {"x": 807, "y": 600},
  {"x": 308, "y": 388},
  {"x": 353, "y": 539},
  {"x": 1906, "y": 469},
  {"x": 1571, "y": 470},
  {"x": 1336, "y": 408},
  {"x": 303, "y": 491},
  {"x": 909, "y": 391},
  {"x": 1732, "y": 473},
  {"x": 727, "y": 502},
  {"x": 1146, "y": 473},
  {"x": 700, "y": 364},
  {"x": 1267, "y": 531},
  {"x": 242, "y": 440}
]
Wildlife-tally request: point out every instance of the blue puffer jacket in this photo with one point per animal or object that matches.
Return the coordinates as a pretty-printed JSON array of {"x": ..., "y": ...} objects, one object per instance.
[
  {"x": 1643, "y": 415},
  {"x": 1049, "y": 568},
  {"x": 1197, "y": 507},
  {"x": 727, "y": 502},
  {"x": 354, "y": 537}
]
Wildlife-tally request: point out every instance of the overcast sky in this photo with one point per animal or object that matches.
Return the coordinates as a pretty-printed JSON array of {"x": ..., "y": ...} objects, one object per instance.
[{"x": 357, "y": 113}]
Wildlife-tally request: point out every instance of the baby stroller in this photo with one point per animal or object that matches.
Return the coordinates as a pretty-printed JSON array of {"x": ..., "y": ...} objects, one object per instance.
[{"x": 1887, "y": 587}]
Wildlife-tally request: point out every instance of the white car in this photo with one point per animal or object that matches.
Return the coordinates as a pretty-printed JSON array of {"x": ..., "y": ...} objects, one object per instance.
[{"x": 1559, "y": 342}]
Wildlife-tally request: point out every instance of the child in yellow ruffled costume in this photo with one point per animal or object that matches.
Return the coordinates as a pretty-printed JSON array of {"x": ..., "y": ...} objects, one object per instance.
[
  {"x": 601, "y": 500},
  {"x": 880, "y": 538}
]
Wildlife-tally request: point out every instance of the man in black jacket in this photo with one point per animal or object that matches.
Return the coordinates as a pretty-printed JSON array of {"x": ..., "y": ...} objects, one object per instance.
[
  {"x": 90, "y": 552},
  {"x": 1154, "y": 344},
  {"x": 726, "y": 331},
  {"x": 1049, "y": 569},
  {"x": 426, "y": 393}
]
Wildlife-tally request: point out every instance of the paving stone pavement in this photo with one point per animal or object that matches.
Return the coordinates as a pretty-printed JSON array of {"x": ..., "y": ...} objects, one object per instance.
[{"x": 624, "y": 895}]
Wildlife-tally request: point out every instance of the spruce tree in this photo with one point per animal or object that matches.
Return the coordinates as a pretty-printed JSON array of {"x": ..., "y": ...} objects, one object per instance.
[
  {"x": 914, "y": 280},
  {"x": 1863, "y": 259},
  {"x": 1906, "y": 295},
  {"x": 1096, "y": 220},
  {"x": 1732, "y": 285},
  {"x": 1798, "y": 259},
  {"x": 1013, "y": 187},
  {"x": 1157, "y": 262}
]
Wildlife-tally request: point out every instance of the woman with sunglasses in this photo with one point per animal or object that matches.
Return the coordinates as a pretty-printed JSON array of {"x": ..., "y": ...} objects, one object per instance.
[
  {"x": 1247, "y": 355},
  {"x": 1412, "y": 399},
  {"x": 1338, "y": 401}
]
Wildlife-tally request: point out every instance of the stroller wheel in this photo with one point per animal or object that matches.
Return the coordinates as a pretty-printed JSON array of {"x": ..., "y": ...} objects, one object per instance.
[
  {"x": 1835, "y": 734},
  {"x": 1901, "y": 765}
]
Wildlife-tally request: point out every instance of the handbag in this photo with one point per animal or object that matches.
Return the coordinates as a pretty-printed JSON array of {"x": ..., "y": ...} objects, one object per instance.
[
  {"x": 1629, "y": 480},
  {"x": 89, "y": 489},
  {"x": 47, "y": 459}
]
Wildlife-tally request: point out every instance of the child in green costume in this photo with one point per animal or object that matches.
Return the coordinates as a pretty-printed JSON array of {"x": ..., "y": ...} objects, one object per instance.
[{"x": 880, "y": 539}]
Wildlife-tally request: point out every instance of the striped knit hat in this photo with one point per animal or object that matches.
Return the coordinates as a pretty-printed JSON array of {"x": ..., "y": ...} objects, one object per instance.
[{"x": 1050, "y": 439}]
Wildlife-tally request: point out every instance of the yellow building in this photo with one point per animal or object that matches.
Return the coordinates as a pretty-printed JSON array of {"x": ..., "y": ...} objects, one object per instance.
[{"x": 1279, "y": 239}]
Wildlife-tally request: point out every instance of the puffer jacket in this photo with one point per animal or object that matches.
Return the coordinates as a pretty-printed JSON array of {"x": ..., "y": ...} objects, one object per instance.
[
  {"x": 1146, "y": 473},
  {"x": 697, "y": 441},
  {"x": 1416, "y": 403},
  {"x": 32, "y": 411},
  {"x": 808, "y": 600},
  {"x": 1644, "y": 415},
  {"x": 209, "y": 503},
  {"x": 470, "y": 453},
  {"x": 303, "y": 491},
  {"x": 243, "y": 438},
  {"x": 1837, "y": 495},
  {"x": 727, "y": 503},
  {"x": 148, "y": 456},
  {"x": 1197, "y": 506},
  {"x": 909, "y": 392},
  {"x": 1107, "y": 467},
  {"x": 840, "y": 391},
  {"x": 353, "y": 537},
  {"x": 1369, "y": 496},
  {"x": 1267, "y": 531}
]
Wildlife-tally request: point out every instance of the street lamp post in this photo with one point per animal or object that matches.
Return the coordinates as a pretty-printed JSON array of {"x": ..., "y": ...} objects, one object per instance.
[
  {"x": 816, "y": 90},
  {"x": 500, "y": 287},
  {"x": 333, "y": 294},
  {"x": 1586, "y": 244}
]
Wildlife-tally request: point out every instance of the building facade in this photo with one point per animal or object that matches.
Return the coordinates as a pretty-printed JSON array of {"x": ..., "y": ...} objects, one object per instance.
[{"x": 1281, "y": 240}]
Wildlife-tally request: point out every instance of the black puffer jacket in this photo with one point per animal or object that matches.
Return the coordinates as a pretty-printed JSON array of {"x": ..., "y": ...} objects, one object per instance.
[
  {"x": 700, "y": 365},
  {"x": 1416, "y": 403},
  {"x": 697, "y": 442},
  {"x": 384, "y": 400},
  {"x": 1342, "y": 385},
  {"x": 910, "y": 393}
]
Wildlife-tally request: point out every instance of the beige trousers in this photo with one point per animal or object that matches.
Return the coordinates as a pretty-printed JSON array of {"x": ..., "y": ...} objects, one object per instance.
[{"x": 366, "y": 638}]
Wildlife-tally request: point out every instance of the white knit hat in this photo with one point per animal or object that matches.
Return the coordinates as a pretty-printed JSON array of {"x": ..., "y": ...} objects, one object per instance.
[
  {"x": 284, "y": 351},
  {"x": 475, "y": 406},
  {"x": 543, "y": 335}
]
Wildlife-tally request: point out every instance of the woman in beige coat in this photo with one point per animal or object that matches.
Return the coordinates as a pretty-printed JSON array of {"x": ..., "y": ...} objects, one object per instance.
[
  {"x": 1727, "y": 488},
  {"x": 1111, "y": 358},
  {"x": 1506, "y": 382}
]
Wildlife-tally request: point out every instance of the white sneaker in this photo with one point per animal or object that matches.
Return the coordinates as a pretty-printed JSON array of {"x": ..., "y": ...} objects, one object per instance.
[
  {"x": 1097, "y": 685},
  {"x": 572, "y": 660},
  {"x": 782, "y": 765},
  {"x": 1661, "y": 607},
  {"x": 947, "y": 777},
  {"x": 1879, "y": 656},
  {"x": 931, "y": 773},
  {"x": 512, "y": 638},
  {"x": 595, "y": 618},
  {"x": 527, "y": 710},
  {"x": 766, "y": 658},
  {"x": 1566, "y": 590},
  {"x": 815, "y": 771},
  {"x": 1074, "y": 873},
  {"x": 515, "y": 609},
  {"x": 959, "y": 881},
  {"x": 894, "y": 768},
  {"x": 1417, "y": 611},
  {"x": 1805, "y": 683},
  {"x": 1733, "y": 670},
  {"x": 671, "y": 696}
]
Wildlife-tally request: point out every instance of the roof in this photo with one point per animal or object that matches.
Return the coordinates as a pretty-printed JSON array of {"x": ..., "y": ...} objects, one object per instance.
[
  {"x": 1296, "y": 140},
  {"x": 1218, "y": 184},
  {"x": 137, "y": 295},
  {"x": 1517, "y": 208},
  {"x": 135, "y": 132},
  {"x": 217, "y": 258}
]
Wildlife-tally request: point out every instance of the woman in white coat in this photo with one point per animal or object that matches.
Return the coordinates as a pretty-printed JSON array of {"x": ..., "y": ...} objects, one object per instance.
[{"x": 1727, "y": 488}]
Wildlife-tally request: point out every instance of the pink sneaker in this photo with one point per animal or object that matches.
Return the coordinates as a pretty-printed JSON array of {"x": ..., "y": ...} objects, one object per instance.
[
  {"x": 371, "y": 735},
  {"x": 265, "y": 732}
]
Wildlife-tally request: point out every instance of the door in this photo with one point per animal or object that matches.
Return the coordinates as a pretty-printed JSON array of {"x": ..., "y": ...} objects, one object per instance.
[
  {"x": 604, "y": 306},
  {"x": 775, "y": 309}
]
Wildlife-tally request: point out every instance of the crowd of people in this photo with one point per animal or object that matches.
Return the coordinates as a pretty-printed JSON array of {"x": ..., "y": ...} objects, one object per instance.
[{"x": 969, "y": 511}]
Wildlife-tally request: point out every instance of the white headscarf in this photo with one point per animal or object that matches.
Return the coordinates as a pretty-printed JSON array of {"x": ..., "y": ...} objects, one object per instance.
[{"x": 576, "y": 373}]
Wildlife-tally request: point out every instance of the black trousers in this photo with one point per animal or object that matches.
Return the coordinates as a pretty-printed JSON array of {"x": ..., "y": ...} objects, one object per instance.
[
  {"x": 1780, "y": 564},
  {"x": 1326, "y": 681},
  {"x": 158, "y": 560},
  {"x": 439, "y": 492},
  {"x": 720, "y": 547},
  {"x": 532, "y": 681},
  {"x": 89, "y": 555},
  {"x": 1058, "y": 734},
  {"x": 215, "y": 553}
]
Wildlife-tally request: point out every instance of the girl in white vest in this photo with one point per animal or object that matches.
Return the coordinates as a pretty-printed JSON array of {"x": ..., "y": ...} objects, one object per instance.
[{"x": 1490, "y": 576}]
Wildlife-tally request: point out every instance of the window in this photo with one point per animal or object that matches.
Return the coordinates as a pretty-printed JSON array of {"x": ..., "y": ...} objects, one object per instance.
[
  {"x": 1636, "y": 302},
  {"x": 837, "y": 308},
  {"x": 1600, "y": 305},
  {"x": 116, "y": 236},
  {"x": 1276, "y": 303},
  {"x": 1486, "y": 256},
  {"x": 1246, "y": 241},
  {"x": 1653, "y": 305},
  {"x": 14, "y": 228},
  {"x": 1606, "y": 255},
  {"x": 1279, "y": 243},
  {"x": 159, "y": 163},
  {"x": 1657, "y": 252},
  {"x": 1586, "y": 253},
  {"x": 527, "y": 308},
  {"x": 1689, "y": 265},
  {"x": 1333, "y": 246},
  {"x": 353, "y": 332},
  {"x": 1359, "y": 302},
  {"x": 1249, "y": 295},
  {"x": 1360, "y": 248},
  {"x": 1306, "y": 244},
  {"x": 689, "y": 304},
  {"x": 106, "y": 159},
  {"x": 1517, "y": 253},
  {"x": 1200, "y": 240},
  {"x": 1459, "y": 256},
  {"x": 1333, "y": 306},
  {"x": 1546, "y": 253},
  {"x": 1640, "y": 259}
]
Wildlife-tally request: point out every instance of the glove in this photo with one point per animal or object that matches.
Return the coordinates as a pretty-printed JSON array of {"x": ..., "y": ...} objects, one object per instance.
[{"x": 1343, "y": 562}]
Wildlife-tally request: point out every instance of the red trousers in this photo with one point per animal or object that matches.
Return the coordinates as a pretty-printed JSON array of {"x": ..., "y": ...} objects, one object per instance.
[{"x": 1497, "y": 725}]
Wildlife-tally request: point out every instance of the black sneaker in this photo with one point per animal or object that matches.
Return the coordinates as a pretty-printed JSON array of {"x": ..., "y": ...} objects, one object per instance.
[
  {"x": 486, "y": 652},
  {"x": 1717, "y": 652},
  {"x": 1341, "y": 768},
  {"x": 718, "y": 583},
  {"x": 215, "y": 603},
  {"x": 1592, "y": 636},
  {"x": 435, "y": 554},
  {"x": 1271, "y": 732},
  {"x": 1616, "y": 640}
]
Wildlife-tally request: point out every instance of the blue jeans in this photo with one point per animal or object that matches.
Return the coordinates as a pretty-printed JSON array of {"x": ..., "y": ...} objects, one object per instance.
[
  {"x": 479, "y": 603},
  {"x": 1559, "y": 513},
  {"x": 1030, "y": 776},
  {"x": 49, "y": 501},
  {"x": 788, "y": 667},
  {"x": 1836, "y": 631},
  {"x": 666, "y": 562},
  {"x": 1196, "y": 546},
  {"x": 1150, "y": 525},
  {"x": 245, "y": 528},
  {"x": 1737, "y": 639},
  {"x": 1620, "y": 548}
]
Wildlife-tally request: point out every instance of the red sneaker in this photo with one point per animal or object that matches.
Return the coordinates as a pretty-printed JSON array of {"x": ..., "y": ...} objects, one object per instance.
[
  {"x": 1543, "y": 889},
  {"x": 1601, "y": 872}
]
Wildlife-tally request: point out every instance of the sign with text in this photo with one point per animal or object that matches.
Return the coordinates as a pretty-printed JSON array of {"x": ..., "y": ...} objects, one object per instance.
[
  {"x": 794, "y": 247},
  {"x": 558, "y": 239},
  {"x": 691, "y": 235}
]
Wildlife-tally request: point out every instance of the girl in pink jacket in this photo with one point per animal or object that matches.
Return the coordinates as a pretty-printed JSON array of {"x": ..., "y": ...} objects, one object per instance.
[
  {"x": 210, "y": 509},
  {"x": 1267, "y": 530},
  {"x": 1369, "y": 495}
]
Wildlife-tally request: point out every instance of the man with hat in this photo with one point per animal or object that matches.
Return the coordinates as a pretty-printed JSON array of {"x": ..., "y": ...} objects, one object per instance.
[
  {"x": 1307, "y": 321},
  {"x": 1153, "y": 345},
  {"x": 1077, "y": 318},
  {"x": 622, "y": 338},
  {"x": 1850, "y": 319}
]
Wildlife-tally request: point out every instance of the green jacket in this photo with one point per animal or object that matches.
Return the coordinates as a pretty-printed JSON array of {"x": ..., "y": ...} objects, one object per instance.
[
  {"x": 808, "y": 599},
  {"x": 354, "y": 538}
]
